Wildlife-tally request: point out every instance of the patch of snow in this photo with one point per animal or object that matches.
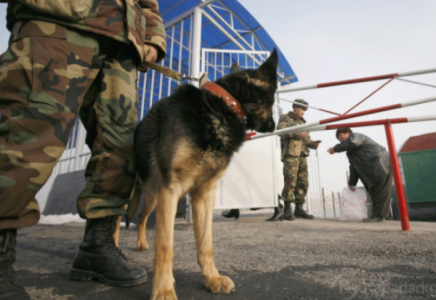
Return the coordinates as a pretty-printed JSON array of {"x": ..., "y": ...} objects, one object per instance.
[
  {"x": 60, "y": 219},
  {"x": 68, "y": 218}
]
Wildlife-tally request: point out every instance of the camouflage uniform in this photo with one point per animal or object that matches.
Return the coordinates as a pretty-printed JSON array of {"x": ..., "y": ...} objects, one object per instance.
[
  {"x": 56, "y": 69},
  {"x": 294, "y": 153}
]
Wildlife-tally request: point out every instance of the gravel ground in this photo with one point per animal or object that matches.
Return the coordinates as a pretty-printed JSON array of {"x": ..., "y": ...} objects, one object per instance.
[{"x": 319, "y": 259}]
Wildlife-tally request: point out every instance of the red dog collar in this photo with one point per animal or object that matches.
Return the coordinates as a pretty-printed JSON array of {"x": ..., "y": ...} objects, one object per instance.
[{"x": 229, "y": 99}]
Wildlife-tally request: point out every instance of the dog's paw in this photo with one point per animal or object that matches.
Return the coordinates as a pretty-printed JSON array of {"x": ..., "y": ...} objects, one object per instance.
[
  {"x": 220, "y": 285},
  {"x": 164, "y": 295},
  {"x": 142, "y": 245}
]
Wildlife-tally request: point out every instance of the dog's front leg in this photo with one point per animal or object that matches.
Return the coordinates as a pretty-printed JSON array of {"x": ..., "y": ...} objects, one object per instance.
[
  {"x": 163, "y": 282},
  {"x": 203, "y": 202},
  {"x": 150, "y": 202}
]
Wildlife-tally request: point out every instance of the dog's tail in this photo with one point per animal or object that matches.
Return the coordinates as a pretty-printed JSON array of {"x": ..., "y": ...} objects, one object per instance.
[{"x": 134, "y": 201}]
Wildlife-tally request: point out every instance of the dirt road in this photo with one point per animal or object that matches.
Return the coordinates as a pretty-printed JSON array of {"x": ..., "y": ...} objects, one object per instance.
[{"x": 319, "y": 259}]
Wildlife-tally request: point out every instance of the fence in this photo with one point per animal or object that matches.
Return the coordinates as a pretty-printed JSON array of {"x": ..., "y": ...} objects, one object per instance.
[
  {"x": 185, "y": 41},
  {"x": 326, "y": 206}
]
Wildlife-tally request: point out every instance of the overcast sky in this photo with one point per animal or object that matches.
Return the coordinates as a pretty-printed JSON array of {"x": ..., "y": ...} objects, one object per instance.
[
  {"x": 335, "y": 40},
  {"x": 343, "y": 39}
]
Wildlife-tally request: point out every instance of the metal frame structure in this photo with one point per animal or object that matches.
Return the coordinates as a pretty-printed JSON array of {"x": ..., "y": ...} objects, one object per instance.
[
  {"x": 185, "y": 43},
  {"x": 184, "y": 39}
]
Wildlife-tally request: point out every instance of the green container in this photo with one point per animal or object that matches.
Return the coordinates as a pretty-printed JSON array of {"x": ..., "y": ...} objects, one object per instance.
[{"x": 418, "y": 170}]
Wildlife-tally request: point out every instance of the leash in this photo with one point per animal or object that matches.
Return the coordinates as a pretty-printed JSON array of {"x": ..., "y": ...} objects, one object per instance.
[
  {"x": 205, "y": 84},
  {"x": 168, "y": 72}
]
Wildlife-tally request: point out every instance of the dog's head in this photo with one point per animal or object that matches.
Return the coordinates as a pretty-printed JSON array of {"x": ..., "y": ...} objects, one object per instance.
[{"x": 255, "y": 90}]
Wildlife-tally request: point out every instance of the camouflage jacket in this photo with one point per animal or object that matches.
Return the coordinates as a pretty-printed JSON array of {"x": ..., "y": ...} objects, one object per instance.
[
  {"x": 291, "y": 144},
  {"x": 129, "y": 21}
]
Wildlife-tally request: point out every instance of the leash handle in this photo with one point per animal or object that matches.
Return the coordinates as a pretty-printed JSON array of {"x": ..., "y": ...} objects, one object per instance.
[
  {"x": 166, "y": 71},
  {"x": 171, "y": 73}
]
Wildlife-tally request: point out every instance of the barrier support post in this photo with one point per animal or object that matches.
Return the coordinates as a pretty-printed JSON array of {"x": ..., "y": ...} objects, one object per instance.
[
  {"x": 323, "y": 202},
  {"x": 334, "y": 206},
  {"x": 404, "y": 217}
]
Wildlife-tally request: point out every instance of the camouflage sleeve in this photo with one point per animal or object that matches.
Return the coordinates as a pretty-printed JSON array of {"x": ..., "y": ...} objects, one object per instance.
[
  {"x": 309, "y": 143},
  {"x": 155, "y": 32},
  {"x": 284, "y": 122}
]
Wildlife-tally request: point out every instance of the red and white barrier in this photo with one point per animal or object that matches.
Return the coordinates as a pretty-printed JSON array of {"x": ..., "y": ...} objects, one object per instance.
[
  {"x": 357, "y": 80},
  {"x": 315, "y": 126},
  {"x": 309, "y": 106},
  {"x": 370, "y": 123},
  {"x": 340, "y": 118}
]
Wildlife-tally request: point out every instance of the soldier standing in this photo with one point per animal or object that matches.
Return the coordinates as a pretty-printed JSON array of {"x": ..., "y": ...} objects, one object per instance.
[
  {"x": 294, "y": 152},
  {"x": 65, "y": 59}
]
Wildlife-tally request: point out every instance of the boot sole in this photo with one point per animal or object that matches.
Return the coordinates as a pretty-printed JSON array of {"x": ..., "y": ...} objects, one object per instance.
[
  {"x": 80, "y": 275},
  {"x": 308, "y": 218},
  {"x": 276, "y": 220}
]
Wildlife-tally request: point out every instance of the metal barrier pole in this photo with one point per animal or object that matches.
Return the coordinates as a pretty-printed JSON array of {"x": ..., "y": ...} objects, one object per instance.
[
  {"x": 358, "y": 80},
  {"x": 323, "y": 201},
  {"x": 196, "y": 56},
  {"x": 334, "y": 206},
  {"x": 404, "y": 217},
  {"x": 308, "y": 126}
]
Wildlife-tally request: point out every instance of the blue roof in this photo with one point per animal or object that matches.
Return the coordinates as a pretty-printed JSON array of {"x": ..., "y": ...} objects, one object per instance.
[
  {"x": 213, "y": 38},
  {"x": 153, "y": 86}
]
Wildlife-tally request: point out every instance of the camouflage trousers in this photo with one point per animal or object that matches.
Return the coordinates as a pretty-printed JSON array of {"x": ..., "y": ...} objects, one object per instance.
[
  {"x": 49, "y": 76},
  {"x": 296, "y": 179}
]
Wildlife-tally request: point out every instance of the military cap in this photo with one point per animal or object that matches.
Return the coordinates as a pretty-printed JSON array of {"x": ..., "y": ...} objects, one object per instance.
[{"x": 296, "y": 101}]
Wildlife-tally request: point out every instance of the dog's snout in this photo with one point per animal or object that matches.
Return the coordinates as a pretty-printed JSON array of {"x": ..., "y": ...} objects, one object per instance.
[{"x": 267, "y": 126}]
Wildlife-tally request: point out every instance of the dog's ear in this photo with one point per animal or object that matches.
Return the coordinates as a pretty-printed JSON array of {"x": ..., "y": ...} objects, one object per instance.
[
  {"x": 269, "y": 67},
  {"x": 235, "y": 68}
]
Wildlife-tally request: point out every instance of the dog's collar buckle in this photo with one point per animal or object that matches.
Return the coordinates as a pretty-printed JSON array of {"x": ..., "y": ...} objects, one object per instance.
[{"x": 229, "y": 99}]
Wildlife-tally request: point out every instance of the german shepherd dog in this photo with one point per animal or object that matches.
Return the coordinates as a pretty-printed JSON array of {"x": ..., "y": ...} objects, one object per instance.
[{"x": 184, "y": 145}]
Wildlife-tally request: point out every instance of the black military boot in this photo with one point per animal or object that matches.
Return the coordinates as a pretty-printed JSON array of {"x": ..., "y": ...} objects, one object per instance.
[
  {"x": 288, "y": 215},
  {"x": 301, "y": 213},
  {"x": 99, "y": 258},
  {"x": 278, "y": 214},
  {"x": 233, "y": 213},
  {"x": 8, "y": 290}
]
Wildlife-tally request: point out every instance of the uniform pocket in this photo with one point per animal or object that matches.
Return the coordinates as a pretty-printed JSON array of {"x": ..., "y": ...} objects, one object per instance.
[
  {"x": 34, "y": 66},
  {"x": 294, "y": 148},
  {"x": 49, "y": 81},
  {"x": 67, "y": 9}
]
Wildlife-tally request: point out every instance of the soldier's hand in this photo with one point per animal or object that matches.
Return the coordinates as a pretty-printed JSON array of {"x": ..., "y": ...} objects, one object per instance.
[
  {"x": 152, "y": 54},
  {"x": 352, "y": 188},
  {"x": 315, "y": 145},
  {"x": 331, "y": 151},
  {"x": 302, "y": 134}
]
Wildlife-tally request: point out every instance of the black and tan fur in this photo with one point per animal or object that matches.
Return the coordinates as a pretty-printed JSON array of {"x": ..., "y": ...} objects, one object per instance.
[{"x": 184, "y": 145}]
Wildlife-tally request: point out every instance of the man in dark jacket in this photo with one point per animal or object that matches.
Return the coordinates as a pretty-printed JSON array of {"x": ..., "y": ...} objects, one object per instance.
[
  {"x": 68, "y": 59},
  {"x": 371, "y": 163}
]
